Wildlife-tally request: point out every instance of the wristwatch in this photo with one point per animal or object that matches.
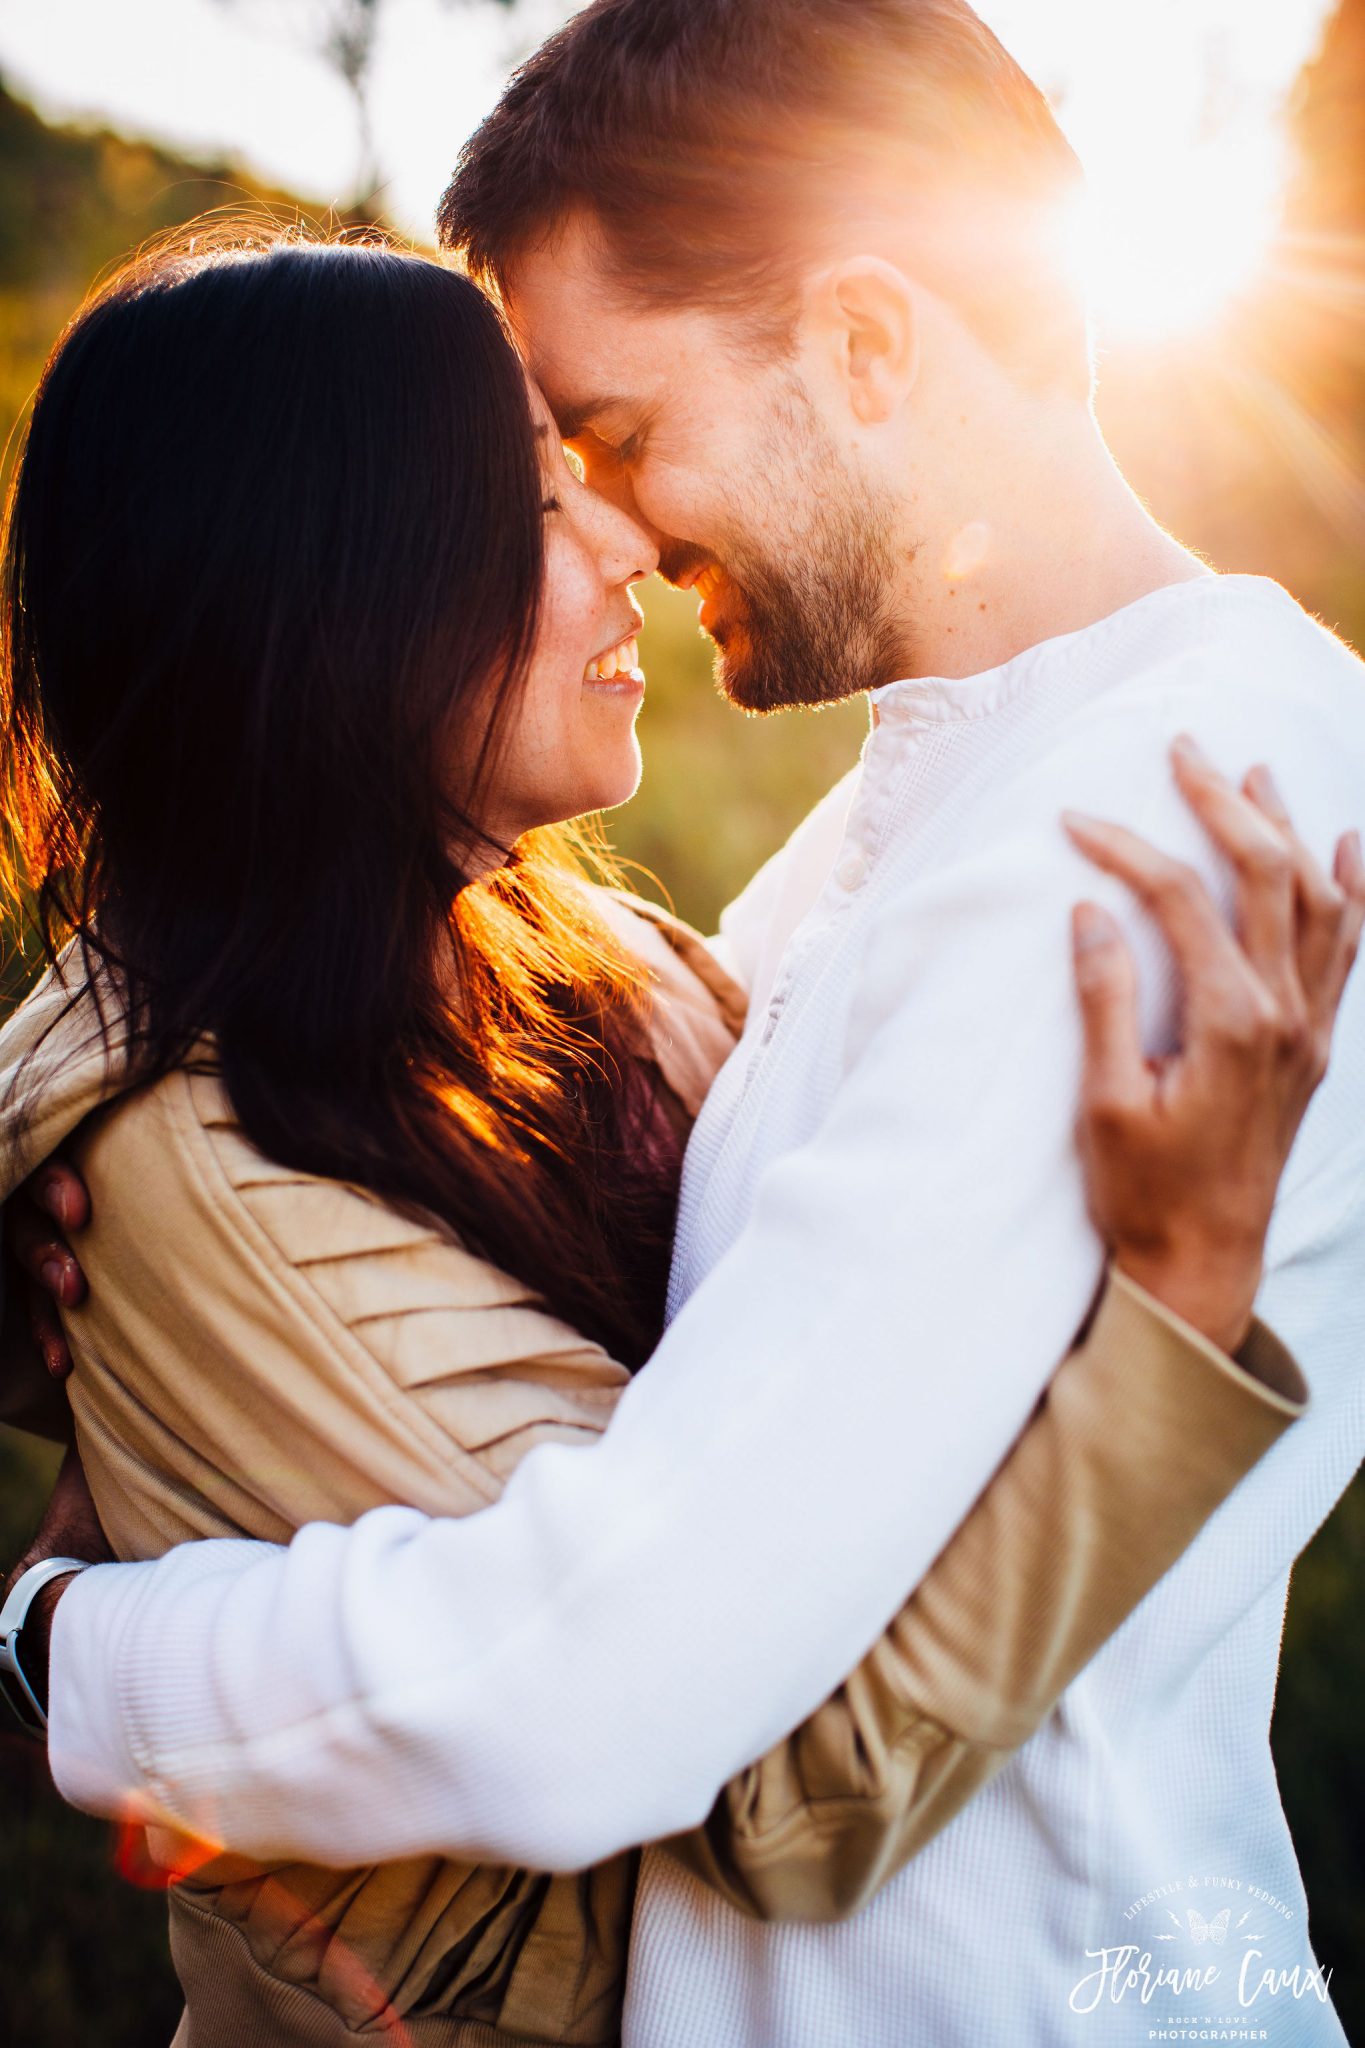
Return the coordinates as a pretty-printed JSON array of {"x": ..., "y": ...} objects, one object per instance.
[{"x": 13, "y": 1615}]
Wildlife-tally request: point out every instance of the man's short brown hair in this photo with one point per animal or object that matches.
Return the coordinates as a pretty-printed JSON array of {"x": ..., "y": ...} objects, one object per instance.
[{"x": 713, "y": 140}]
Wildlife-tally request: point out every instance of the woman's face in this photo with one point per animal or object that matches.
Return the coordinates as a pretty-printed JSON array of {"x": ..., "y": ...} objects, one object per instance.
[{"x": 569, "y": 742}]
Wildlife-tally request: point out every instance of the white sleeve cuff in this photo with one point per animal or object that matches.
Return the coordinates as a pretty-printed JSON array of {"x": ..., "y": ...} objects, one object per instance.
[
  {"x": 88, "y": 1741},
  {"x": 125, "y": 1636}
]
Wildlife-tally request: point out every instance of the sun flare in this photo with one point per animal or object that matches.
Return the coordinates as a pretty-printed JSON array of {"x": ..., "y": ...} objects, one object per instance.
[{"x": 1166, "y": 246}]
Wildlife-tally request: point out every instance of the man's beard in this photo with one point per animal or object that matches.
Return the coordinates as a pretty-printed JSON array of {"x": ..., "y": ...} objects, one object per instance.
[{"x": 817, "y": 628}]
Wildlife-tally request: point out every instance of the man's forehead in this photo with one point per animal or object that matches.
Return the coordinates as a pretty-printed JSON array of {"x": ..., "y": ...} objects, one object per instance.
[
  {"x": 585, "y": 345},
  {"x": 554, "y": 294},
  {"x": 576, "y": 381},
  {"x": 580, "y": 386}
]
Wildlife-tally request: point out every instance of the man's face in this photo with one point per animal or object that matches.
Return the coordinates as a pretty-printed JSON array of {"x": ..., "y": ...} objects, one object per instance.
[{"x": 727, "y": 461}]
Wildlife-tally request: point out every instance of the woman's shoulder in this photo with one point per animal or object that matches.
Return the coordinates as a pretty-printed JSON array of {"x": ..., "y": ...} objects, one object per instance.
[
  {"x": 174, "y": 1152},
  {"x": 62, "y": 1055},
  {"x": 292, "y": 1345}
]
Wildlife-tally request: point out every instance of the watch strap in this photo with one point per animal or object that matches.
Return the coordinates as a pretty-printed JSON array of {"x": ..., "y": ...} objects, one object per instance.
[{"x": 13, "y": 1683}]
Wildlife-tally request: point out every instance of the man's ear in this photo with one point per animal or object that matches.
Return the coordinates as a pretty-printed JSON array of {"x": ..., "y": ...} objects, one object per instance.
[{"x": 864, "y": 310}]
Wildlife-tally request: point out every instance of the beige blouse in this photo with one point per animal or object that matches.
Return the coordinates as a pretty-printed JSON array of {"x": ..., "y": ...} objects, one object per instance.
[{"x": 262, "y": 1348}]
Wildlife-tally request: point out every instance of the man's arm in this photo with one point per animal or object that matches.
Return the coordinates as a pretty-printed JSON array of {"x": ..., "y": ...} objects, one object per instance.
[
  {"x": 541, "y": 1682},
  {"x": 1142, "y": 1433},
  {"x": 581, "y": 1666},
  {"x": 590, "y": 1659}
]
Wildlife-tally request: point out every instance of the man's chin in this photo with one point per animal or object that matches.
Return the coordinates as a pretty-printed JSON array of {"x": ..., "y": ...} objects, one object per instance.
[
  {"x": 744, "y": 683},
  {"x": 761, "y": 689}
]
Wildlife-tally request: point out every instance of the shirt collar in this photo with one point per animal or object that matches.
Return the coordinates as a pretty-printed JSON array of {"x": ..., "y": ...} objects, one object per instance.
[{"x": 940, "y": 700}]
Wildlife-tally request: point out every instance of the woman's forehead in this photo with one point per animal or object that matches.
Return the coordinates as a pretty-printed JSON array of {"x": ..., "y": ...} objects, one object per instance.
[{"x": 542, "y": 419}]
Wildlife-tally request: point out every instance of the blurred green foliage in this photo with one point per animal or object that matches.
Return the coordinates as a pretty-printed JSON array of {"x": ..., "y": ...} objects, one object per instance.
[
  {"x": 71, "y": 204},
  {"x": 84, "y": 1954}
]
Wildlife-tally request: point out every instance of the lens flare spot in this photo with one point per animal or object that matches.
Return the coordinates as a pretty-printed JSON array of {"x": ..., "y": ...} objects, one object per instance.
[{"x": 967, "y": 552}]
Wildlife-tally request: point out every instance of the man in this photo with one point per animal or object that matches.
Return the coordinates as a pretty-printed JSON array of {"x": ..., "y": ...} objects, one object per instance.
[{"x": 793, "y": 279}]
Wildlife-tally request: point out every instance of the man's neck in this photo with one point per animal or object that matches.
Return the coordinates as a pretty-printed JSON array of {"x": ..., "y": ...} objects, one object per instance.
[{"x": 1056, "y": 546}]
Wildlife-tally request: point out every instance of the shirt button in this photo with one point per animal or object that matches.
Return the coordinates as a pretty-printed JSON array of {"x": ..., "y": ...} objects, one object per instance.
[{"x": 851, "y": 869}]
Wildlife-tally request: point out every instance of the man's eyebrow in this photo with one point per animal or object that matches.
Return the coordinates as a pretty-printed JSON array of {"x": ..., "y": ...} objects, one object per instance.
[{"x": 574, "y": 418}]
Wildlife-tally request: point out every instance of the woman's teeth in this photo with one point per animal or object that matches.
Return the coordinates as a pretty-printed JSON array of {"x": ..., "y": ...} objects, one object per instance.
[{"x": 623, "y": 660}]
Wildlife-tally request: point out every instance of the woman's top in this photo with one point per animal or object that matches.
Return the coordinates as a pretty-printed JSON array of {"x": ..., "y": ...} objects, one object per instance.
[{"x": 262, "y": 1348}]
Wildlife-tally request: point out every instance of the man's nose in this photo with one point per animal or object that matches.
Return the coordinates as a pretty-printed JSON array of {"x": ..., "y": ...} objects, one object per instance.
[{"x": 612, "y": 482}]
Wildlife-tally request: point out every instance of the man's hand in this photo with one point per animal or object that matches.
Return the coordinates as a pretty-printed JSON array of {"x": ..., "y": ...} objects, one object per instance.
[
  {"x": 70, "y": 1528},
  {"x": 1184, "y": 1155},
  {"x": 52, "y": 1203}
]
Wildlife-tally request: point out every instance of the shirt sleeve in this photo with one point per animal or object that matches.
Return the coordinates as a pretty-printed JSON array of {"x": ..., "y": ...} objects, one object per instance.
[{"x": 583, "y": 1665}]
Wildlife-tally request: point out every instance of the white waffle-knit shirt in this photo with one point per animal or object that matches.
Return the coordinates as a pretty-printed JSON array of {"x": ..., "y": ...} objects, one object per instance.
[{"x": 882, "y": 1253}]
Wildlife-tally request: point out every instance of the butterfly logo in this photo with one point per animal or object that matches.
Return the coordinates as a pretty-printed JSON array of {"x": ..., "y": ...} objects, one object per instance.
[{"x": 1215, "y": 1930}]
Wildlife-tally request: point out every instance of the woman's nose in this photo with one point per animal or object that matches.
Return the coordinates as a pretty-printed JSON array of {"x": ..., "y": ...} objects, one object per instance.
[
  {"x": 628, "y": 549},
  {"x": 621, "y": 530}
]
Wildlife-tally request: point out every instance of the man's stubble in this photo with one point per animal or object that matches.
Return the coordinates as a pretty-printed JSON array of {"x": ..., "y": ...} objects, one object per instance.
[{"x": 814, "y": 626}]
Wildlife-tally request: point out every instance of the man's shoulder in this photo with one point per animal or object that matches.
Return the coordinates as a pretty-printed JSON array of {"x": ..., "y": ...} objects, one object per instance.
[
  {"x": 1244, "y": 645},
  {"x": 1250, "y": 676},
  {"x": 1238, "y": 666}
]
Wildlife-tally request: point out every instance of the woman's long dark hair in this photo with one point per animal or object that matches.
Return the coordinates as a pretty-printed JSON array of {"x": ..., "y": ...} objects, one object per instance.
[{"x": 271, "y": 577}]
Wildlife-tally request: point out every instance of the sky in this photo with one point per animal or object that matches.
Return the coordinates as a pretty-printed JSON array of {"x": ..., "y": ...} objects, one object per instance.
[{"x": 1173, "y": 105}]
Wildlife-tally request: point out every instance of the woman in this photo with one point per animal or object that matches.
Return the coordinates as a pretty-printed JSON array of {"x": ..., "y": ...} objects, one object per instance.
[{"x": 309, "y": 635}]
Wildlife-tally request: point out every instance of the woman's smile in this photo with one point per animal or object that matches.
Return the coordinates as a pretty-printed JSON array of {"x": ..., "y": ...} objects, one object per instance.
[{"x": 616, "y": 672}]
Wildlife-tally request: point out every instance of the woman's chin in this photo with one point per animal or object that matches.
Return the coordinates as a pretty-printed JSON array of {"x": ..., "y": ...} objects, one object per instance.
[
  {"x": 620, "y": 786},
  {"x": 606, "y": 789}
]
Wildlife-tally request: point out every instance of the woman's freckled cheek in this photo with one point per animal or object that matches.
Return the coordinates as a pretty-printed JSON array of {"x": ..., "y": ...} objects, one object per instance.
[
  {"x": 567, "y": 606},
  {"x": 570, "y": 631}
]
